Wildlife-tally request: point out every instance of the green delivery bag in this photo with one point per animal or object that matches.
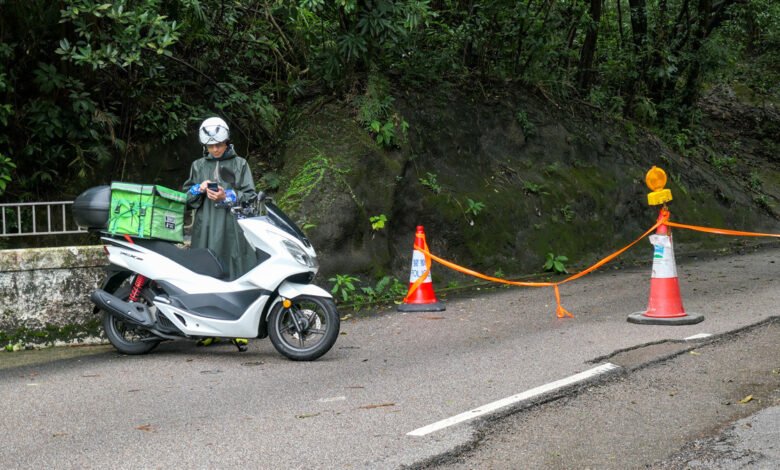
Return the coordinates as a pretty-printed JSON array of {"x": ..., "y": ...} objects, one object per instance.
[{"x": 147, "y": 211}]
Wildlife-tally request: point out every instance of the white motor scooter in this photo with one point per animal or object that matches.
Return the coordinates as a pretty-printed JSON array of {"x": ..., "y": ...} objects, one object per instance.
[{"x": 156, "y": 291}]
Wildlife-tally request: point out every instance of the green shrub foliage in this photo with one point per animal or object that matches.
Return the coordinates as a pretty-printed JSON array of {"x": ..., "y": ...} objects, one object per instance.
[{"x": 87, "y": 84}]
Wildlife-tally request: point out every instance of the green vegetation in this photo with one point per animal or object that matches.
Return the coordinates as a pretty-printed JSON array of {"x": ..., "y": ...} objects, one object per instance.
[
  {"x": 304, "y": 182},
  {"x": 533, "y": 188},
  {"x": 378, "y": 222},
  {"x": 12, "y": 341},
  {"x": 375, "y": 112},
  {"x": 474, "y": 207},
  {"x": 344, "y": 286},
  {"x": 556, "y": 264},
  {"x": 528, "y": 127},
  {"x": 347, "y": 289},
  {"x": 89, "y": 86},
  {"x": 568, "y": 213},
  {"x": 430, "y": 182}
]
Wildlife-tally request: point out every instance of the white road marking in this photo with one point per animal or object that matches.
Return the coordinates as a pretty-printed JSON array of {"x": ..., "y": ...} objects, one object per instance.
[
  {"x": 331, "y": 399},
  {"x": 490, "y": 407},
  {"x": 699, "y": 336}
]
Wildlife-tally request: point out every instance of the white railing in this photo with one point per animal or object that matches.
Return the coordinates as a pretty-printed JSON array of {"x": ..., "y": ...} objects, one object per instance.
[{"x": 38, "y": 218}]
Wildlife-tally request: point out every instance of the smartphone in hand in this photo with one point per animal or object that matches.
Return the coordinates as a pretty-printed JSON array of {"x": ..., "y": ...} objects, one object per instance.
[{"x": 213, "y": 186}]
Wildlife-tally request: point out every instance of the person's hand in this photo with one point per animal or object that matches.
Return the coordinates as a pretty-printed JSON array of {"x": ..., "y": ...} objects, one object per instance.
[
  {"x": 204, "y": 186},
  {"x": 218, "y": 195}
]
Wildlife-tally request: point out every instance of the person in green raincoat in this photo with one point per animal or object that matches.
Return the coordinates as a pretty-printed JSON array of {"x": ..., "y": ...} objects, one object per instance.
[{"x": 214, "y": 226}]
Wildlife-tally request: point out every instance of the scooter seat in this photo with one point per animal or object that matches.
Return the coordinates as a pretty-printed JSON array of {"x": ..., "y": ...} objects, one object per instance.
[{"x": 199, "y": 260}]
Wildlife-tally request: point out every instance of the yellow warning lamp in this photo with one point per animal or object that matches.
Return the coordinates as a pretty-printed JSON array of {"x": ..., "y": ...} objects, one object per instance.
[{"x": 656, "y": 180}]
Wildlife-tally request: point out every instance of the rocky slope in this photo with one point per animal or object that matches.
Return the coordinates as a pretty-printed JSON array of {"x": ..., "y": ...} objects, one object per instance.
[{"x": 500, "y": 178}]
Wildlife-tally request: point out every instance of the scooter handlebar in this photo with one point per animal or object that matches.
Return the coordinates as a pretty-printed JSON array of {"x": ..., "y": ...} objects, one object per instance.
[{"x": 249, "y": 208}]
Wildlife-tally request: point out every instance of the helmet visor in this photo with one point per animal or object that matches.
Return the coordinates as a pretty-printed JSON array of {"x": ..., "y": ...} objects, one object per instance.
[{"x": 213, "y": 134}]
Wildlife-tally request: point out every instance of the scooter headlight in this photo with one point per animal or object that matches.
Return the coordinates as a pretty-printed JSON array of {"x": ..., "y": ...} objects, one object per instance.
[{"x": 299, "y": 255}]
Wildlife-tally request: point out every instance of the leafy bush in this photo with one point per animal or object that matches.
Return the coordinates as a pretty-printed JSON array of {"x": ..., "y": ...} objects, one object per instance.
[
  {"x": 387, "y": 289},
  {"x": 88, "y": 87},
  {"x": 556, "y": 264},
  {"x": 430, "y": 182}
]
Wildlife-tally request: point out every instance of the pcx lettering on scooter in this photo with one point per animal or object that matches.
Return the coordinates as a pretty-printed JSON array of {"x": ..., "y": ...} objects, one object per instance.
[
  {"x": 186, "y": 298},
  {"x": 124, "y": 253}
]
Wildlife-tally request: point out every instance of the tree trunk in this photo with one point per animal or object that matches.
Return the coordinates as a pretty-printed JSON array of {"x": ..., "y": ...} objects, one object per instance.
[
  {"x": 638, "y": 14},
  {"x": 585, "y": 70},
  {"x": 638, "y": 25}
]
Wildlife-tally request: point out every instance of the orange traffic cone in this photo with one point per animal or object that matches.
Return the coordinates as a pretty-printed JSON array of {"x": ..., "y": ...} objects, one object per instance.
[
  {"x": 665, "y": 305},
  {"x": 420, "y": 297}
]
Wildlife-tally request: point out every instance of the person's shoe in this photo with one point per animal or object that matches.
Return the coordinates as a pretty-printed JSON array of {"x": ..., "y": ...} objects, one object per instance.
[
  {"x": 241, "y": 344},
  {"x": 207, "y": 341}
]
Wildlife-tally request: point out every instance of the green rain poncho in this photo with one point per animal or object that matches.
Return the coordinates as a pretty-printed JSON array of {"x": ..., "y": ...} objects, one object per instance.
[{"x": 215, "y": 227}]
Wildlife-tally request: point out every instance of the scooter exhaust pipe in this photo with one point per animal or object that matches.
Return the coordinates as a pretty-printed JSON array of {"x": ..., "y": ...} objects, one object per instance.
[{"x": 131, "y": 312}]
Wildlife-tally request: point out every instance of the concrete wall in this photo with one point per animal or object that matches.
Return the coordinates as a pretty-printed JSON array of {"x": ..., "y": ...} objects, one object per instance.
[{"x": 44, "y": 295}]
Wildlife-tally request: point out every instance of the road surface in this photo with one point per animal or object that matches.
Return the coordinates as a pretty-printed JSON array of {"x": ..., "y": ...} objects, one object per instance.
[{"x": 392, "y": 374}]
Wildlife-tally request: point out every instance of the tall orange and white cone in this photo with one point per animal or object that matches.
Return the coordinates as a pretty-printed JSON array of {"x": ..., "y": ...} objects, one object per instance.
[
  {"x": 420, "y": 297},
  {"x": 665, "y": 304}
]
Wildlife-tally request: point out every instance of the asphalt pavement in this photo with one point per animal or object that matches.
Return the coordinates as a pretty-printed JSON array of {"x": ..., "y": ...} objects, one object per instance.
[
  {"x": 682, "y": 410},
  {"x": 390, "y": 374}
]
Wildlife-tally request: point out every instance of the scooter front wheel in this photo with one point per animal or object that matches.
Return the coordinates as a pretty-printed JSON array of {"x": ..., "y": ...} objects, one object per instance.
[{"x": 306, "y": 330}]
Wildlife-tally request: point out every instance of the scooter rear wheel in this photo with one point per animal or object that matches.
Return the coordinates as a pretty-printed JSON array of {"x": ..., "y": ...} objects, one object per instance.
[
  {"x": 306, "y": 330},
  {"x": 127, "y": 338}
]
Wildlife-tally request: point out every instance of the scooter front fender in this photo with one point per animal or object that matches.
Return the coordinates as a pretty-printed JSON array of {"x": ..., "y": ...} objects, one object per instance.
[{"x": 291, "y": 290}]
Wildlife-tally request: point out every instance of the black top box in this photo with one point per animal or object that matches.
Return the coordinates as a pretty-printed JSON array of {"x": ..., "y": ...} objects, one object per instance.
[{"x": 90, "y": 209}]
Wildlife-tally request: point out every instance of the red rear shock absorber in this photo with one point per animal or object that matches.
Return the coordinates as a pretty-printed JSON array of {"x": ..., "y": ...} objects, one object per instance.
[{"x": 138, "y": 284}]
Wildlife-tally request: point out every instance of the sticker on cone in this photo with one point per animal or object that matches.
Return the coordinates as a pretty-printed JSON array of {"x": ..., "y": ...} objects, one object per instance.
[
  {"x": 420, "y": 297},
  {"x": 663, "y": 257},
  {"x": 665, "y": 304},
  {"x": 418, "y": 268}
]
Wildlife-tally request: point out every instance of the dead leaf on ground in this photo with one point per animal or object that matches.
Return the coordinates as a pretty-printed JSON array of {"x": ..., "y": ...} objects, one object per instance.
[
  {"x": 379, "y": 405},
  {"x": 254, "y": 363},
  {"x": 746, "y": 399},
  {"x": 694, "y": 353},
  {"x": 307, "y": 416},
  {"x": 431, "y": 317},
  {"x": 145, "y": 428}
]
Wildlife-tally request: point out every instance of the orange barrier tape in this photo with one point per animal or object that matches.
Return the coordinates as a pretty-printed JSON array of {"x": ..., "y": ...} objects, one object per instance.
[
  {"x": 560, "y": 311},
  {"x": 721, "y": 231}
]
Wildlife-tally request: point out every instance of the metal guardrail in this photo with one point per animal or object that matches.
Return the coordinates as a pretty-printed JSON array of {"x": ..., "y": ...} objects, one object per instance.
[{"x": 38, "y": 218}]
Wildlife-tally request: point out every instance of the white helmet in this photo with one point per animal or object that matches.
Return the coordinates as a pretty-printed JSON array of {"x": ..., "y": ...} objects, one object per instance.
[{"x": 213, "y": 131}]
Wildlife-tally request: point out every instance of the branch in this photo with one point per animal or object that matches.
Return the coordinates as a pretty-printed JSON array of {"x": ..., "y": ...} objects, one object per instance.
[{"x": 213, "y": 82}]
